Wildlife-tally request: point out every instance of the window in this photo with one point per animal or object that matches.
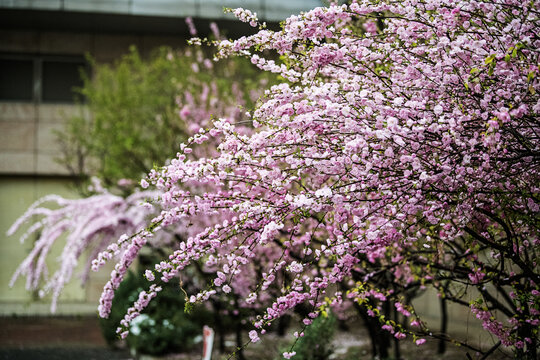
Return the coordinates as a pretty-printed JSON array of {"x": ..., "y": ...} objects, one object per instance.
[
  {"x": 58, "y": 80},
  {"x": 16, "y": 79},
  {"x": 50, "y": 79}
]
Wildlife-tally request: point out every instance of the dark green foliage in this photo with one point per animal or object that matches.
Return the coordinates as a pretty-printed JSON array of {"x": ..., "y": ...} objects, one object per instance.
[
  {"x": 163, "y": 327},
  {"x": 316, "y": 344}
]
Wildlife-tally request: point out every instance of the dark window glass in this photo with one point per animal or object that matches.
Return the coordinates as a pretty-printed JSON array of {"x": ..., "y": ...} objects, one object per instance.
[
  {"x": 59, "y": 79},
  {"x": 16, "y": 79}
]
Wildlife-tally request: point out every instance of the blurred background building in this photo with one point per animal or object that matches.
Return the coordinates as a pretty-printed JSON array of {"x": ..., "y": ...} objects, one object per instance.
[{"x": 43, "y": 44}]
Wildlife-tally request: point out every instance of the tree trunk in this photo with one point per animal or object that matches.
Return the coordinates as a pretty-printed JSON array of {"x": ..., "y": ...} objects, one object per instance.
[
  {"x": 219, "y": 325},
  {"x": 397, "y": 350},
  {"x": 371, "y": 330},
  {"x": 441, "y": 348},
  {"x": 239, "y": 344}
]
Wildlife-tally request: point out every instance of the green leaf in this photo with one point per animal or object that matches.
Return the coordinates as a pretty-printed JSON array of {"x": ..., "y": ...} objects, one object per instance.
[{"x": 514, "y": 52}]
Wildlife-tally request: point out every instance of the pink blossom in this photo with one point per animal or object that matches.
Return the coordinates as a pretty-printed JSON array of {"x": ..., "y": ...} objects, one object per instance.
[
  {"x": 288, "y": 355},
  {"x": 254, "y": 336}
]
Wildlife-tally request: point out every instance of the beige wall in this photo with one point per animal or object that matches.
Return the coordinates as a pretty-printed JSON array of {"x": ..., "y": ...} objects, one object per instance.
[{"x": 28, "y": 143}]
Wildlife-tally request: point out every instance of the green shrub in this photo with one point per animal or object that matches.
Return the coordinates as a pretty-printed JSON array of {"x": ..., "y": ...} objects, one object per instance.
[
  {"x": 316, "y": 344},
  {"x": 163, "y": 327}
]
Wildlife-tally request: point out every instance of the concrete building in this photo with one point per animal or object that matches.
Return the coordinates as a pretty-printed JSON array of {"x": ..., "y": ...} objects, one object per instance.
[{"x": 42, "y": 46}]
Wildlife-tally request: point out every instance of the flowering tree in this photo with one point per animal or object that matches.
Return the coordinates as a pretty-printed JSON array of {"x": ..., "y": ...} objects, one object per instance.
[
  {"x": 400, "y": 151},
  {"x": 404, "y": 141}
]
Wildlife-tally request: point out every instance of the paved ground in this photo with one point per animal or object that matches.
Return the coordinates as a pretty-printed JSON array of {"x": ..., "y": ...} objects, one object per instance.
[
  {"x": 59, "y": 338},
  {"x": 79, "y": 338},
  {"x": 62, "y": 354}
]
